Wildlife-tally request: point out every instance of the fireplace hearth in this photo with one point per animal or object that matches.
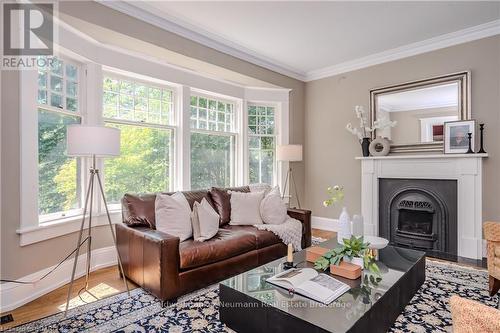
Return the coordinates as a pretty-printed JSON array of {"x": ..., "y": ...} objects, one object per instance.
[{"x": 420, "y": 214}]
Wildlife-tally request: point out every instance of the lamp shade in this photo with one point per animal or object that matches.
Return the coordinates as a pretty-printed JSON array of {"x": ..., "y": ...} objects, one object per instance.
[
  {"x": 93, "y": 140},
  {"x": 289, "y": 153}
]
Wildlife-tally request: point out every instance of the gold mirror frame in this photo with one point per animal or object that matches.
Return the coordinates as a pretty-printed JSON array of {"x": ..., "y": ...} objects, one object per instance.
[{"x": 463, "y": 80}]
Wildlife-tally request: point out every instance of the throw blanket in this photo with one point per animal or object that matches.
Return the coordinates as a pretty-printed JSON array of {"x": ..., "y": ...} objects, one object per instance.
[{"x": 289, "y": 232}]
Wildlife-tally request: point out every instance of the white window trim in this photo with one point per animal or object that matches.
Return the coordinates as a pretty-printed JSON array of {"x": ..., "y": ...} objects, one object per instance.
[
  {"x": 97, "y": 56},
  {"x": 276, "y": 136},
  {"x": 237, "y": 176},
  {"x": 81, "y": 113}
]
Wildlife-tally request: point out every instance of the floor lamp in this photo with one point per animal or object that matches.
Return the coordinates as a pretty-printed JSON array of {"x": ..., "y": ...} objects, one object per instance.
[
  {"x": 289, "y": 153},
  {"x": 92, "y": 141}
]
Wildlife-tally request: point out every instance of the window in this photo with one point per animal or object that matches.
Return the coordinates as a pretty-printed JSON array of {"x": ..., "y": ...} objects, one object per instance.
[
  {"x": 143, "y": 112},
  {"x": 212, "y": 142},
  {"x": 58, "y": 85},
  {"x": 138, "y": 102},
  {"x": 59, "y": 176},
  {"x": 262, "y": 143}
]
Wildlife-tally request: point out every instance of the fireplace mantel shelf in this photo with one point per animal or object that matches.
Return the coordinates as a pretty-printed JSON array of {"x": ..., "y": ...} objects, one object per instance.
[{"x": 422, "y": 156}]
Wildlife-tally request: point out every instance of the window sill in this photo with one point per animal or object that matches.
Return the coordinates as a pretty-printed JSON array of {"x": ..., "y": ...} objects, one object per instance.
[{"x": 48, "y": 230}]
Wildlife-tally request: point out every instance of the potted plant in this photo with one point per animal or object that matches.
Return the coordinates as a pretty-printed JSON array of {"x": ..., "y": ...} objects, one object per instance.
[
  {"x": 363, "y": 133},
  {"x": 353, "y": 250},
  {"x": 335, "y": 195}
]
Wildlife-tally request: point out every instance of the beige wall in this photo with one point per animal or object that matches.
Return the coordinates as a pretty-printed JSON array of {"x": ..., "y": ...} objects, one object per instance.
[
  {"x": 330, "y": 150},
  {"x": 19, "y": 261}
]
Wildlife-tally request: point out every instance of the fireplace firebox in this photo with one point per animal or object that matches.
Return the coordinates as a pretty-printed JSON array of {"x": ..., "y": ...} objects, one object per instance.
[{"x": 420, "y": 214}]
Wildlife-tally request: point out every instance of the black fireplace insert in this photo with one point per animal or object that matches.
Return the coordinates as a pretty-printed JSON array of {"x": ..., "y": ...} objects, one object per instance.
[{"x": 420, "y": 214}]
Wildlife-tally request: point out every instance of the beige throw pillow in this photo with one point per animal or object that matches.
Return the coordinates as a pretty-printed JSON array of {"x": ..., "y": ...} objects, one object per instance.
[
  {"x": 172, "y": 214},
  {"x": 245, "y": 208},
  {"x": 205, "y": 221},
  {"x": 272, "y": 209}
]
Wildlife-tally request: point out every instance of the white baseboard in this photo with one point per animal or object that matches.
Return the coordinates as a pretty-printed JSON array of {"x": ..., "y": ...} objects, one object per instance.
[
  {"x": 324, "y": 223},
  {"x": 13, "y": 295}
]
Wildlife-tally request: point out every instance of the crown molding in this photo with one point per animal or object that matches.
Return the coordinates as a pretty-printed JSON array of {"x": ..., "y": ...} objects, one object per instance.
[
  {"x": 170, "y": 23},
  {"x": 454, "y": 38},
  {"x": 184, "y": 29}
]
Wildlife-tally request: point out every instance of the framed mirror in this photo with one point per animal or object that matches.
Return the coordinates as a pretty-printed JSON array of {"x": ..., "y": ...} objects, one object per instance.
[{"x": 420, "y": 109}]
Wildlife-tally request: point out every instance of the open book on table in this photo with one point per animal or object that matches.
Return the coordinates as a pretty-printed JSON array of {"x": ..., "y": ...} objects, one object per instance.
[{"x": 308, "y": 282}]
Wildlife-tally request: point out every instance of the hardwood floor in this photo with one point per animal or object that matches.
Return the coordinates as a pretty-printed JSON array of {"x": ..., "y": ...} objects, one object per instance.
[
  {"x": 323, "y": 233},
  {"x": 102, "y": 283}
]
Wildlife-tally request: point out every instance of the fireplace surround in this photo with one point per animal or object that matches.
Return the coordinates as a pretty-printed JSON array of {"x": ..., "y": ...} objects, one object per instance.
[
  {"x": 465, "y": 169},
  {"x": 420, "y": 214}
]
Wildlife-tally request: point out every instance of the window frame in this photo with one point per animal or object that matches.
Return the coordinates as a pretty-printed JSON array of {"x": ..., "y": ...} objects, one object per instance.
[
  {"x": 172, "y": 126},
  {"x": 80, "y": 73},
  {"x": 83, "y": 177},
  {"x": 276, "y": 137},
  {"x": 235, "y": 134}
]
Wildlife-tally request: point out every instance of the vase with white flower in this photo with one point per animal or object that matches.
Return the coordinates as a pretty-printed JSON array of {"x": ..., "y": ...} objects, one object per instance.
[
  {"x": 335, "y": 195},
  {"x": 364, "y": 131}
]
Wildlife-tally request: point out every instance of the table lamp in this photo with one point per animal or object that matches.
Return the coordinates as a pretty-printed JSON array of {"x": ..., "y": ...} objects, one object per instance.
[{"x": 92, "y": 141}]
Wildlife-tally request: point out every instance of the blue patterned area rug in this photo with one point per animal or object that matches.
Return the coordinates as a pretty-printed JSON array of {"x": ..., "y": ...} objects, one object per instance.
[{"x": 199, "y": 311}]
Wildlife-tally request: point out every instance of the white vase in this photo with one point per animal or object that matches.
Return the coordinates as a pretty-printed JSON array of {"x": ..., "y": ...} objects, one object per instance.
[
  {"x": 344, "y": 226},
  {"x": 356, "y": 261},
  {"x": 357, "y": 225}
]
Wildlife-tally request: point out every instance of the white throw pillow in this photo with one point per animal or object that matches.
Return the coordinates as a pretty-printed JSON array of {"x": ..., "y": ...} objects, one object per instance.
[
  {"x": 205, "y": 221},
  {"x": 245, "y": 208},
  {"x": 272, "y": 209},
  {"x": 260, "y": 187},
  {"x": 173, "y": 215}
]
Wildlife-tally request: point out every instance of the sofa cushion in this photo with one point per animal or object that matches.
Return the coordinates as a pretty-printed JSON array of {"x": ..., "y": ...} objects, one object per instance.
[
  {"x": 263, "y": 238},
  {"x": 221, "y": 200},
  {"x": 225, "y": 244},
  {"x": 139, "y": 210}
]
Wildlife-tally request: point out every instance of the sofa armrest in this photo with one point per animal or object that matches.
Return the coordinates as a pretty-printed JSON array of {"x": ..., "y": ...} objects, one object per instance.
[
  {"x": 304, "y": 216},
  {"x": 150, "y": 258}
]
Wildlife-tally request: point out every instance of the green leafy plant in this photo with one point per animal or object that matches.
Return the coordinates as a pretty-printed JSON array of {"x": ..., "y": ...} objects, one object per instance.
[{"x": 353, "y": 247}]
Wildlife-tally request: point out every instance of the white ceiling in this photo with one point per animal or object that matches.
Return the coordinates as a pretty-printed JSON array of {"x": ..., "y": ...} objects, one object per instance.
[
  {"x": 305, "y": 38},
  {"x": 418, "y": 99}
]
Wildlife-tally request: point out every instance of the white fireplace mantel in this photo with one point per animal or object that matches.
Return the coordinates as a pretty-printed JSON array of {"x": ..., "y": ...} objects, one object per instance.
[{"x": 466, "y": 169}]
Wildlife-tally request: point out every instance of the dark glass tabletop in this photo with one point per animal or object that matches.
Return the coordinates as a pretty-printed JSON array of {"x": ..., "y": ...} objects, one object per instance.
[{"x": 344, "y": 312}]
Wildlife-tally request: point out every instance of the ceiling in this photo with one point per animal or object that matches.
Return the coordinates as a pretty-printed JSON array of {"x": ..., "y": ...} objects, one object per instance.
[
  {"x": 312, "y": 39},
  {"x": 445, "y": 95}
]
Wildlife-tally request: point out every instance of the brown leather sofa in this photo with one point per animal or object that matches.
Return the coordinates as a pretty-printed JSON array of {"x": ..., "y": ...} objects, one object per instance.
[{"x": 159, "y": 263}]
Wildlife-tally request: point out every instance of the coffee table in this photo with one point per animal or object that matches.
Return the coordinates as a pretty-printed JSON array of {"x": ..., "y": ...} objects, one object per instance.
[{"x": 249, "y": 304}]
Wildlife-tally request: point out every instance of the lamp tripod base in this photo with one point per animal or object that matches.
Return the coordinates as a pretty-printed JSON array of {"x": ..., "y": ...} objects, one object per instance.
[
  {"x": 289, "y": 175},
  {"x": 94, "y": 174}
]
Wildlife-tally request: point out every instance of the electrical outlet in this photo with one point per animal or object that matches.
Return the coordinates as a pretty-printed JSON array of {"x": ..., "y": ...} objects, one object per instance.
[{"x": 6, "y": 319}]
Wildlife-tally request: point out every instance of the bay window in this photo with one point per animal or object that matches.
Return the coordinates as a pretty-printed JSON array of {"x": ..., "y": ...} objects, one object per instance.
[
  {"x": 59, "y": 176},
  {"x": 262, "y": 143},
  {"x": 143, "y": 112},
  {"x": 213, "y": 139},
  {"x": 179, "y": 131}
]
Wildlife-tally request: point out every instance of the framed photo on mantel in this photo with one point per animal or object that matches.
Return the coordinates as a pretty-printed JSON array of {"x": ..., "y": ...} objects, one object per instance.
[{"x": 456, "y": 138}]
